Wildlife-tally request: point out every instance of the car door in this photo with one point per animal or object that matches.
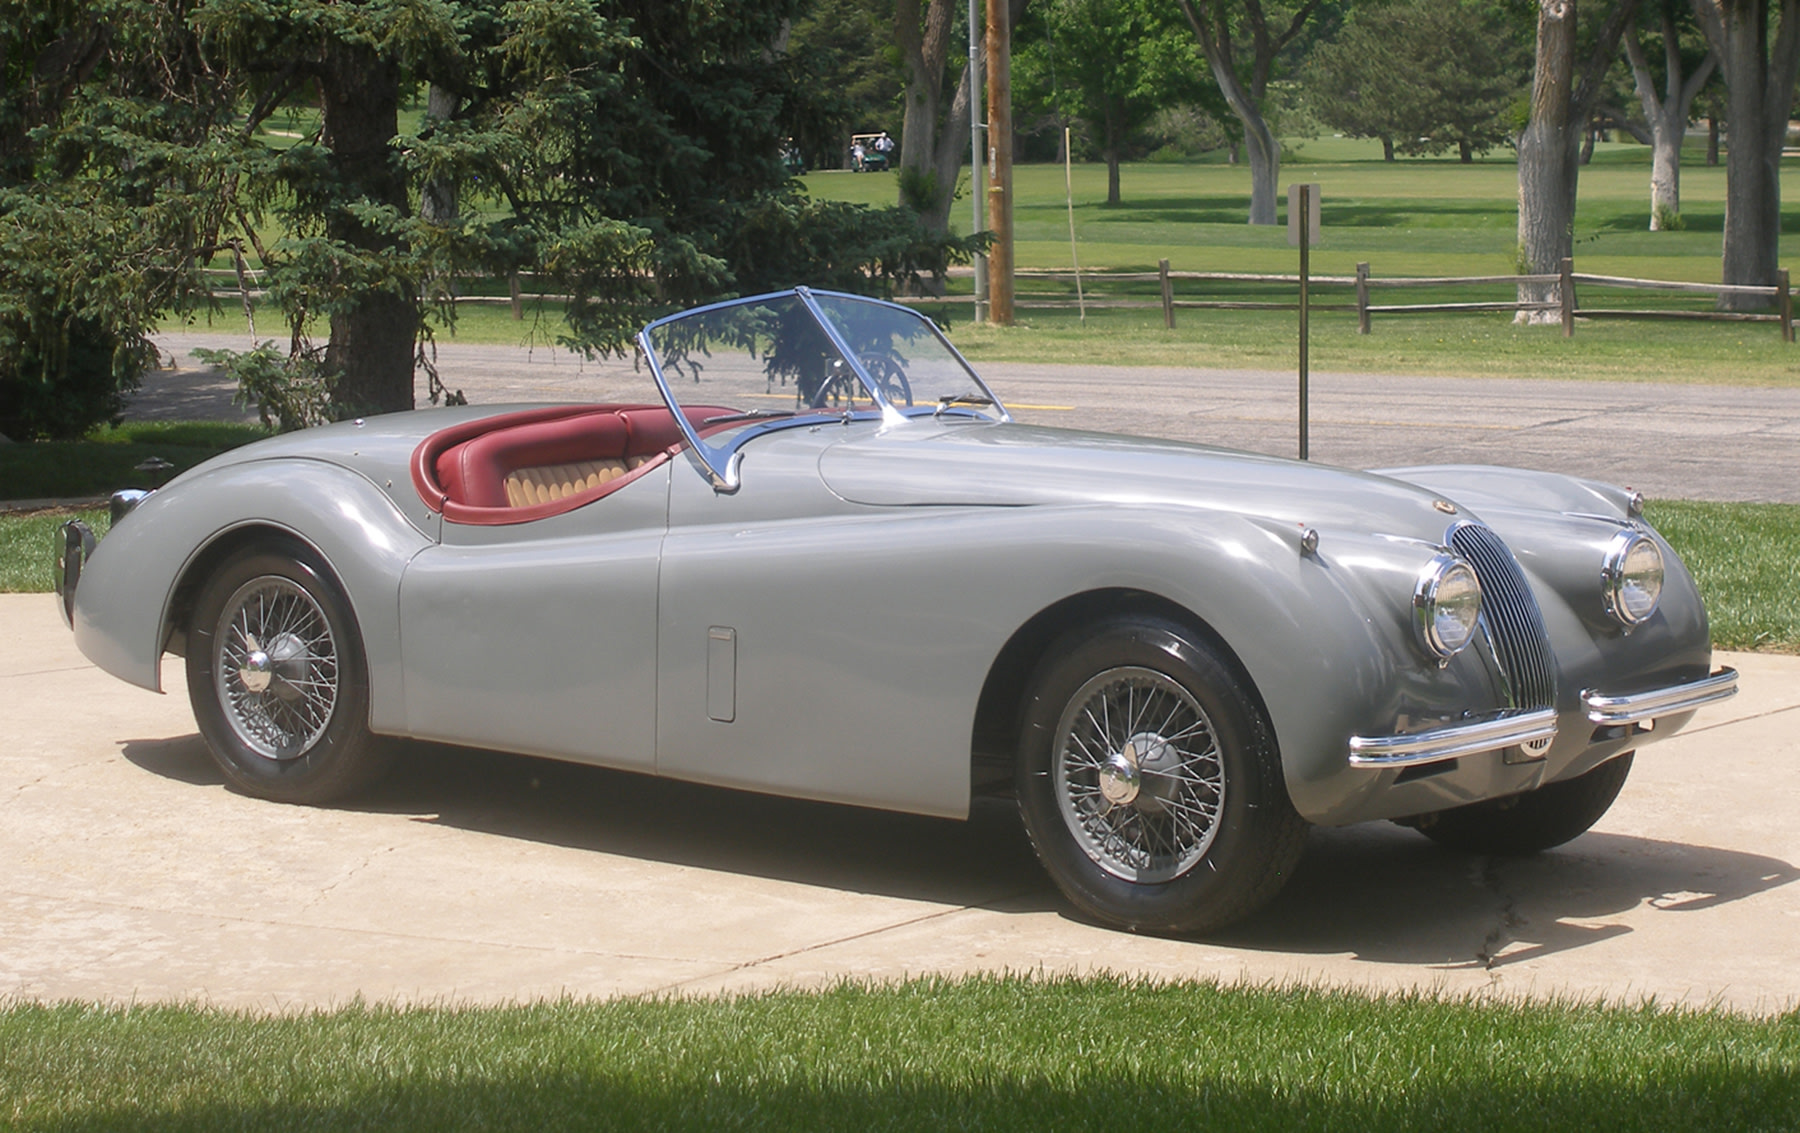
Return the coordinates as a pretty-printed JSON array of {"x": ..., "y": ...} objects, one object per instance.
[
  {"x": 814, "y": 647},
  {"x": 540, "y": 637}
]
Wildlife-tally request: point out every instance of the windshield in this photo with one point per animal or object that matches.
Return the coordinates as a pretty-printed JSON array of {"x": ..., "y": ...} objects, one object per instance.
[{"x": 800, "y": 354}]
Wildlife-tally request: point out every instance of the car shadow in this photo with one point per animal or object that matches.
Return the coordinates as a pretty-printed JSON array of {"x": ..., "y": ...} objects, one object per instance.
[
  {"x": 1376, "y": 892},
  {"x": 984, "y": 861}
]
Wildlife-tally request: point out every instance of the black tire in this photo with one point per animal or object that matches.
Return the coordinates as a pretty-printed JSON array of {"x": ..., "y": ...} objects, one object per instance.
[
  {"x": 1109, "y": 825},
  {"x": 278, "y": 681},
  {"x": 1531, "y": 822}
]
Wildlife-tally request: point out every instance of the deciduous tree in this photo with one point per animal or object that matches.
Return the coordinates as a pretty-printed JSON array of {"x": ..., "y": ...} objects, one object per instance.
[
  {"x": 1563, "y": 94},
  {"x": 1241, "y": 40},
  {"x": 1759, "y": 63},
  {"x": 1666, "y": 110},
  {"x": 1424, "y": 76},
  {"x": 1112, "y": 64}
]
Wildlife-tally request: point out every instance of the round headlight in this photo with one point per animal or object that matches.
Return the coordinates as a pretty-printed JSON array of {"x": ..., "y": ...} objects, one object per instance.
[
  {"x": 1632, "y": 577},
  {"x": 1446, "y": 606}
]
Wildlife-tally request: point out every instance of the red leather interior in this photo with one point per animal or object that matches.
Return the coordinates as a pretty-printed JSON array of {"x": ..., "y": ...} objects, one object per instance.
[{"x": 461, "y": 471}]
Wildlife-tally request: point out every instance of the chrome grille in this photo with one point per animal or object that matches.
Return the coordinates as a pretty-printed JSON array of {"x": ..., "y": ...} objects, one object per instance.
[{"x": 1509, "y": 612}]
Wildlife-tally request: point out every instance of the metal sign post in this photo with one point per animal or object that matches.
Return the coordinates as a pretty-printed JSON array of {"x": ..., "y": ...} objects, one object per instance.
[{"x": 1303, "y": 229}]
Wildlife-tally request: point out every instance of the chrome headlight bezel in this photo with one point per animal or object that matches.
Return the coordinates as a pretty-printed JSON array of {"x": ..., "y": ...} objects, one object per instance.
[
  {"x": 1632, "y": 577},
  {"x": 1446, "y": 586}
]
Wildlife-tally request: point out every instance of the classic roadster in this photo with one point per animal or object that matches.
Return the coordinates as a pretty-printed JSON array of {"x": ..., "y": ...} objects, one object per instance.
[{"x": 830, "y": 564}]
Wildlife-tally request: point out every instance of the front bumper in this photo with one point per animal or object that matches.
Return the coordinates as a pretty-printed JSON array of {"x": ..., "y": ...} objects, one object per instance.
[
  {"x": 1513, "y": 728},
  {"x": 1642, "y": 706}
]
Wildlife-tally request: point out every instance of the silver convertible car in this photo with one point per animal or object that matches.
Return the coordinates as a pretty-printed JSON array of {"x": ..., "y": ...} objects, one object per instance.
[{"x": 829, "y": 564}]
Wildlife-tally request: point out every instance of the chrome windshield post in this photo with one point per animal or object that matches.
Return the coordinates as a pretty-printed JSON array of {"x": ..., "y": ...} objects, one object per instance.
[{"x": 724, "y": 479}]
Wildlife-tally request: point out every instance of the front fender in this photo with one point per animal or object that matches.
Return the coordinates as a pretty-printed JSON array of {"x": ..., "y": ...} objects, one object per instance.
[
  {"x": 1324, "y": 637},
  {"x": 123, "y": 609}
]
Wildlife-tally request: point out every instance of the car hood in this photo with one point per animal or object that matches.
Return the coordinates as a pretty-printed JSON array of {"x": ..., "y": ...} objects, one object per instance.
[{"x": 928, "y": 463}]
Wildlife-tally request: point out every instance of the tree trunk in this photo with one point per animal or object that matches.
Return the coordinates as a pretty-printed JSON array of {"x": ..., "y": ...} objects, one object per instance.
[
  {"x": 1259, "y": 142},
  {"x": 1759, "y": 87},
  {"x": 952, "y": 151},
  {"x": 1387, "y": 148},
  {"x": 1213, "y": 32},
  {"x": 1712, "y": 139},
  {"x": 1550, "y": 146},
  {"x": 932, "y": 151},
  {"x": 1114, "y": 142},
  {"x": 1464, "y": 151},
  {"x": 1548, "y": 159},
  {"x": 437, "y": 200},
  {"x": 1667, "y": 115},
  {"x": 373, "y": 336}
]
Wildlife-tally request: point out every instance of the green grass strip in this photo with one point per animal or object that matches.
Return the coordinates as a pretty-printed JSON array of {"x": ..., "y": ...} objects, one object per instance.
[
  {"x": 986, "y": 1053},
  {"x": 28, "y": 548},
  {"x": 1744, "y": 557},
  {"x": 108, "y": 458}
]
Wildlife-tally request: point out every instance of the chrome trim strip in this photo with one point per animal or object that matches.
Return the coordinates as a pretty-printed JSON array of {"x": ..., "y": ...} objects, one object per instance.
[
  {"x": 1660, "y": 702},
  {"x": 1507, "y": 729}
]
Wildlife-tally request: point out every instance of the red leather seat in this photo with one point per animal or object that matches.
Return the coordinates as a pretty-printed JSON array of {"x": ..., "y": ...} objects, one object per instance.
[{"x": 558, "y": 459}]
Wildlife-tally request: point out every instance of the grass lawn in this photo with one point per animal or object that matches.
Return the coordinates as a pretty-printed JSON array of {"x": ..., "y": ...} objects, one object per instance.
[
  {"x": 1413, "y": 217},
  {"x": 982, "y": 1053},
  {"x": 107, "y": 458},
  {"x": 1421, "y": 216}
]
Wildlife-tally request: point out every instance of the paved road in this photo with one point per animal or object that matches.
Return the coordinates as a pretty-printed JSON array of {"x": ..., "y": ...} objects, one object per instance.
[
  {"x": 1669, "y": 441},
  {"x": 132, "y": 874}
]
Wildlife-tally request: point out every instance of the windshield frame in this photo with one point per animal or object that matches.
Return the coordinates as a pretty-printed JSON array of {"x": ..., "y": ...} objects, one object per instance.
[{"x": 722, "y": 460}]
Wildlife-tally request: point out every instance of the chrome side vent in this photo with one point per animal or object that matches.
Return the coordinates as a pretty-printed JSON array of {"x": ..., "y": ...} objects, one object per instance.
[{"x": 1510, "y": 614}]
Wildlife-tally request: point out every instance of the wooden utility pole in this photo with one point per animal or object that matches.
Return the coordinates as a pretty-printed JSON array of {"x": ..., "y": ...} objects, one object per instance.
[
  {"x": 999, "y": 138},
  {"x": 976, "y": 129}
]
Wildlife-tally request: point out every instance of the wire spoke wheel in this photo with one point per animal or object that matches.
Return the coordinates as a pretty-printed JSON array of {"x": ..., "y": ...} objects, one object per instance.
[
  {"x": 277, "y": 672},
  {"x": 1149, "y": 780},
  {"x": 1137, "y": 774}
]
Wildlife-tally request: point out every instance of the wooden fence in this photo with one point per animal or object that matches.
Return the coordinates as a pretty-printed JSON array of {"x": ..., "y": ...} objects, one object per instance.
[{"x": 1564, "y": 285}]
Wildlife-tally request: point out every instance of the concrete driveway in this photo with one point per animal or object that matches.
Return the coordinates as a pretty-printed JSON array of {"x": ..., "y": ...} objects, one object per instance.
[{"x": 133, "y": 874}]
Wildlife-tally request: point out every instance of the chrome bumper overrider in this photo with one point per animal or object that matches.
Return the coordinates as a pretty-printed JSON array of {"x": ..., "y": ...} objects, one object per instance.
[
  {"x": 74, "y": 543},
  {"x": 1511, "y": 728},
  {"x": 1490, "y": 733},
  {"x": 1660, "y": 702}
]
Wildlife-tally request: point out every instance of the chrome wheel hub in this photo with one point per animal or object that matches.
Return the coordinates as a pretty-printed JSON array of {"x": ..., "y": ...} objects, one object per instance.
[
  {"x": 1138, "y": 775},
  {"x": 257, "y": 672},
  {"x": 276, "y": 667},
  {"x": 1119, "y": 778}
]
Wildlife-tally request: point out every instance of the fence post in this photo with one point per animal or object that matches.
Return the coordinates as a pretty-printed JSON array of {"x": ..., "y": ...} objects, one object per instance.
[
  {"x": 1362, "y": 298},
  {"x": 1786, "y": 298},
  {"x": 1168, "y": 295},
  {"x": 518, "y": 302},
  {"x": 1566, "y": 269}
]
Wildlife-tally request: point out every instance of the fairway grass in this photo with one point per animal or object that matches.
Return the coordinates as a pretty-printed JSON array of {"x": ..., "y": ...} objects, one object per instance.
[
  {"x": 989, "y": 1053},
  {"x": 1414, "y": 217}
]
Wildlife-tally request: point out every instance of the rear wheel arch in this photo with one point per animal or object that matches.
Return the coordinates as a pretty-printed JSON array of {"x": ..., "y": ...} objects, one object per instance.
[{"x": 999, "y": 711}]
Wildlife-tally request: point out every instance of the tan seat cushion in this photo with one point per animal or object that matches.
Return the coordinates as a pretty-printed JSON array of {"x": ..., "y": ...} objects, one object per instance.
[{"x": 550, "y": 482}]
